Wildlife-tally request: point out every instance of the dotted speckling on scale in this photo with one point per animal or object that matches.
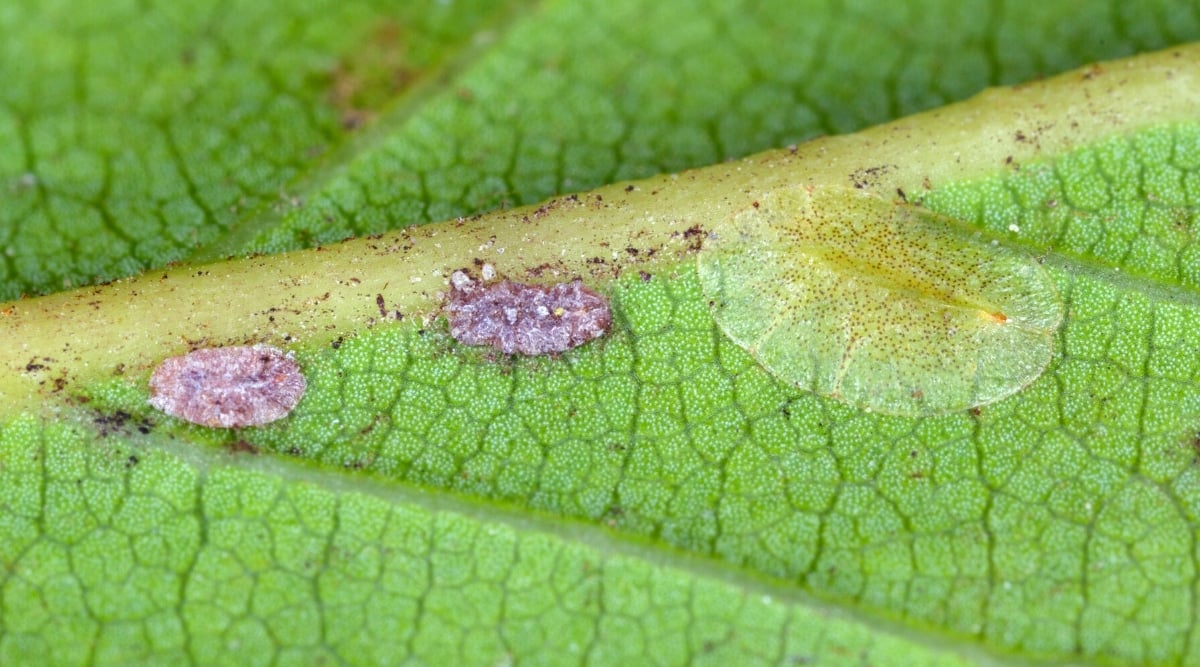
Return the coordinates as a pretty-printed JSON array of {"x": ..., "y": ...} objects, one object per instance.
[
  {"x": 516, "y": 318},
  {"x": 228, "y": 387}
]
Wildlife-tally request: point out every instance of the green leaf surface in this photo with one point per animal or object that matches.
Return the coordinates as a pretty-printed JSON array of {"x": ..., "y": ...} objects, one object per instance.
[{"x": 654, "y": 497}]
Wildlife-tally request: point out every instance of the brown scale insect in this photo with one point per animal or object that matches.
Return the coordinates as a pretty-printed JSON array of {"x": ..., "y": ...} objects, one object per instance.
[
  {"x": 228, "y": 387},
  {"x": 516, "y": 318}
]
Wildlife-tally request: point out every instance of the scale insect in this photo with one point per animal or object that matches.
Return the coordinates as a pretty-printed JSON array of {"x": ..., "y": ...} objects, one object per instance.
[
  {"x": 516, "y": 318},
  {"x": 882, "y": 305},
  {"x": 228, "y": 387}
]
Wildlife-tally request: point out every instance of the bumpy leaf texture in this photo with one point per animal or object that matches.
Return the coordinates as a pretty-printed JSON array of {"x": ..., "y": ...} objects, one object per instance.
[{"x": 652, "y": 497}]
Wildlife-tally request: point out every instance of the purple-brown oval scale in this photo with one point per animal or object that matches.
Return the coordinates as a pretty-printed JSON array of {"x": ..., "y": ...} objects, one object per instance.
[
  {"x": 228, "y": 387},
  {"x": 516, "y": 318}
]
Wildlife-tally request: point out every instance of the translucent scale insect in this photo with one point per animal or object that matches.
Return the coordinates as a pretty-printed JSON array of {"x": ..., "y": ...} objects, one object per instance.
[{"x": 885, "y": 306}]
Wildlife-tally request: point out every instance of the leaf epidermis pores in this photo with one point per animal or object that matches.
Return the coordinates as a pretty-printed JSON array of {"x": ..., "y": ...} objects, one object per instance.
[{"x": 885, "y": 306}]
